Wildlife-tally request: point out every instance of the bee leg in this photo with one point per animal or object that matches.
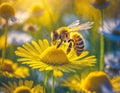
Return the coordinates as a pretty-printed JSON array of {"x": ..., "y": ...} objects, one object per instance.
[
  {"x": 59, "y": 44},
  {"x": 70, "y": 46}
]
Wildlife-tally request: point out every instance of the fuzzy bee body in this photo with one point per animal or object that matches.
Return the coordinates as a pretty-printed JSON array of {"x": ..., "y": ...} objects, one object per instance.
[
  {"x": 68, "y": 34},
  {"x": 78, "y": 44}
]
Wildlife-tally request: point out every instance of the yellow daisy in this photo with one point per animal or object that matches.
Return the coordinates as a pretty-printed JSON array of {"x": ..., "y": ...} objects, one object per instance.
[
  {"x": 10, "y": 69},
  {"x": 21, "y": 87},
  {"x": 43, "y": 56},
  {"x": 95, "y": 82}
]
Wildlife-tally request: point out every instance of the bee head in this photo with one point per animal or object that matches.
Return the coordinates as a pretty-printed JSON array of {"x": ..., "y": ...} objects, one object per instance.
[{"x": 54, "y": 36}]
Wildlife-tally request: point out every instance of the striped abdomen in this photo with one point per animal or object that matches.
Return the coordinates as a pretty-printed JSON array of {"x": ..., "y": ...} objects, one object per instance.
[{"x": 78, "y": 44}]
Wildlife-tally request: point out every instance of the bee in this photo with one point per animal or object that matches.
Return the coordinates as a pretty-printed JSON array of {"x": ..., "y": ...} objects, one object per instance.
[{"x": 67, "y": 34}]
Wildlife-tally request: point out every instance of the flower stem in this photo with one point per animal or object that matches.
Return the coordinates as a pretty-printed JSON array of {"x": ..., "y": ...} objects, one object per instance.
[
  {"x": 5, "y": 42},
  {"x": 59, "y": 82},
  {"x": 53, "y": 81},
  {"x": 45, "y": 80},
  {"x": 101, "y": 45}
]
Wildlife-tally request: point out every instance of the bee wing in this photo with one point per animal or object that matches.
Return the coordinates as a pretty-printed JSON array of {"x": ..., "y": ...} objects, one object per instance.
[
  {"x": 84, "y": 26},
  {"x": 74, "y": 24}
]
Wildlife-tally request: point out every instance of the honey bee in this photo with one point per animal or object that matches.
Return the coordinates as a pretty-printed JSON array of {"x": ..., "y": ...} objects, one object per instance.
[{"x": 67, "y": 34}]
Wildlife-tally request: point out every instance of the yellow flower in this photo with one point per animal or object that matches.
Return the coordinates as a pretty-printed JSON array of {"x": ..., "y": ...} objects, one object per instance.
[
  {"x": 10, "y": 69},
  {"x": 7, "y": 11},
  {"x": 37, "y": 10},
  {"x": 21, "y": 87},
  {"x": 100, "y": 4},
  {"x": 43, "y": 56},
  {"x": 95, "y": 82}
]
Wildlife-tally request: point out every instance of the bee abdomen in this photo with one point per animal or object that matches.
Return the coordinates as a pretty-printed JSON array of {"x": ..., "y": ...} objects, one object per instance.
[{"x": 78, "y": 45}]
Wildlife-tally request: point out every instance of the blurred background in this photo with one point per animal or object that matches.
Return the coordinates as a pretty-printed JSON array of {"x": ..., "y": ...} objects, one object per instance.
[{"x": 35, "y": 19}]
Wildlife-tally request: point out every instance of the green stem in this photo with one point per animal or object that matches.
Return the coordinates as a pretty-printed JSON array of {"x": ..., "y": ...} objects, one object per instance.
[
  {"x": 5, "y": 42},
  {"x": 70, "y": 91},
  {"x": 53, "y": 83},
  {"x": 45, "y": 80},
  {"x": 59, "y": 82},
  {"x": 101, "y": 46}
]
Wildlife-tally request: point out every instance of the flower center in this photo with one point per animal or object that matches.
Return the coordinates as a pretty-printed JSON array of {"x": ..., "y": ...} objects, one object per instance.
[
  {"x": 116, "y": 32},
  {"x": 6, "y": 10},
  {"x": 95, "y": 80},
  {"x": 37, "y": 10},
  {"x": 22, "y": 89},
  {"x": 31, "y": 28},
  {"x": 8, "y": 67},
  {"x": 54, "y": 56},
  {"x": 100, "y": 2}
]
